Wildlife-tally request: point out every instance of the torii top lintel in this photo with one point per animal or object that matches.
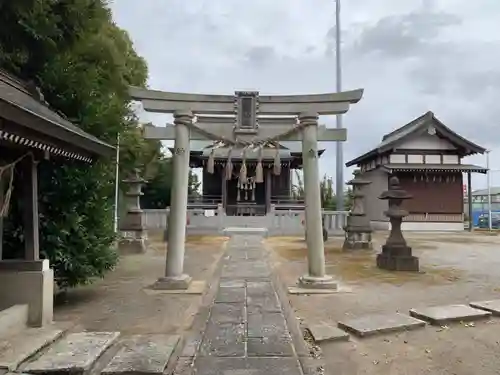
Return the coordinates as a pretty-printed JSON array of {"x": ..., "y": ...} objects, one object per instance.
[{"x": 170, "y": 102}]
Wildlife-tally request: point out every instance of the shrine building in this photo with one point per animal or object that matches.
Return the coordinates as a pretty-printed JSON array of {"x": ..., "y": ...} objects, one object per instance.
[
  {"x": 251, "y": 196},
  {"x": 426, "y": 156}
]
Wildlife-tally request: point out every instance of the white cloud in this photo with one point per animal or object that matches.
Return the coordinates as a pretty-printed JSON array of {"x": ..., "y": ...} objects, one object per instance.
[{"x": 410, "y": 56}]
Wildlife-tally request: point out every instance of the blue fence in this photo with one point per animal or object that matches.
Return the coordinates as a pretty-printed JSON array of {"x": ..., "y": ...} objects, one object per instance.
[{"x": 476, "y": 214}]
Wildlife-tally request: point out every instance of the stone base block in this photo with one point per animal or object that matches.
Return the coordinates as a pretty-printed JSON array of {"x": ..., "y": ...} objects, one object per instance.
[
  {"x": 29, "y": 283},
  {"x": 397, "y": 263},
  {"x": 313, "y": 282},
  {"x": 357, "y": 238},
  {"x": 357, "y": 245},
  {"x": 173, "y": 283},
  {"x": 128, "y": 246}
]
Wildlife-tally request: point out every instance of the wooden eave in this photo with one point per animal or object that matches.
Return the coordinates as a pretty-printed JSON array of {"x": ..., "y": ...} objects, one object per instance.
[{"x": 27, "y": 122}]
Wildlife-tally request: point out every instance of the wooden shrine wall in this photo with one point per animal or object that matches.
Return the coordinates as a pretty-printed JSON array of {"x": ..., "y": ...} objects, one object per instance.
[{"x": 433, "y": 193}]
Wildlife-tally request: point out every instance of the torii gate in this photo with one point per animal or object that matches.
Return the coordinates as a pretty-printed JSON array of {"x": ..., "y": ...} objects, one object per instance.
[{"x": 246, "y": 108}]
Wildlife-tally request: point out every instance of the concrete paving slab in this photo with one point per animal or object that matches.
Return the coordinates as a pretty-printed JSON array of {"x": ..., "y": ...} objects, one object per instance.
[
  {"x": 380, "y": 323},
  {"x": 73, "y": 354},
  {"x": 266, "y": 325},
  {"x": 247, "y": 366},
  {"x": 492, "y": 306},
  {"x": 195, "y": 287},
  {"x": 223, "y": 340},
  {"x": 274, "y": 346},
  {"x": 439, "y": 315},
  {"x": 260, "y": 288},
  {"x": 17, "y": 349},
  {"x": 262, "y": 304},
  {"x": 326, "y": 332},
  {"x": 142, "y": 354},
  {"x": 232, "y": 284},
  {"x": 228, "y": 313},
  {"x": 230, "y": 295}
]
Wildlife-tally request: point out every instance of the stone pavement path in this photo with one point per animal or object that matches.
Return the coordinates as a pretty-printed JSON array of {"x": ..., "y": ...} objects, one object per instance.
[{"x": 246, "y": 332}]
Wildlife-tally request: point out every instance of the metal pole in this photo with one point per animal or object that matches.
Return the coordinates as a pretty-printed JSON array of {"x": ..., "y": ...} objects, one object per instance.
[
  {"x": 340, "y": 153},
  {"x": 488, "y": 183},
  {"x": 117, "y": 183}
]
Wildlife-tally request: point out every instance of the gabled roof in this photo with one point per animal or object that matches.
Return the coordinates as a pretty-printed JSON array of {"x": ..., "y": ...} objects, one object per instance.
[
  {"x": 24, "y": 105},
  {"x": 418, "y": 126}
]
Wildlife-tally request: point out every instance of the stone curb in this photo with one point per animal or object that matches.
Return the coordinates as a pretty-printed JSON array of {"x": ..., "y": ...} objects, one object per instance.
[{"x": 308, "y": 364}]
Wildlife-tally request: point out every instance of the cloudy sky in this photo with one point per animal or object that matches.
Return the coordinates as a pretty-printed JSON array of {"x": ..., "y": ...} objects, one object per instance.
[{"x": 410, "y": 56}]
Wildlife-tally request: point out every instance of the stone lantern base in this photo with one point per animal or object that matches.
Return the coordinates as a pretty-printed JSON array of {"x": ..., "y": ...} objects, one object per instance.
[
  {"x": 128, "y": 246},
  {"x": 358, "y": 239},
  {"x": 358, "y": 233},
  {"x": 397, "y": 258}
]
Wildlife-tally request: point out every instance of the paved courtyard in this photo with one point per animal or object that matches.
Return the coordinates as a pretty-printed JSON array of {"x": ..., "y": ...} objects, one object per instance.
[{"x": 455, "y": 269}]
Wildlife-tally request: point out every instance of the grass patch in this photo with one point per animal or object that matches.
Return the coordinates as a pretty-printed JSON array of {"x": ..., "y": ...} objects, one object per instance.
[{"x": 359, "y": 266}]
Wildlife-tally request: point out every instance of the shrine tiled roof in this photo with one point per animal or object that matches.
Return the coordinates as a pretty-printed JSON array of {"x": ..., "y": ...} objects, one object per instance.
[{"x": 415, "y": 127}]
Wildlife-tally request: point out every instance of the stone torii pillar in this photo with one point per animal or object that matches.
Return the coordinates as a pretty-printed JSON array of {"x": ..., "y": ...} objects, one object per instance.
[
  {"x": 175, "y": 278},
  {"x": 316, "y": 277}
]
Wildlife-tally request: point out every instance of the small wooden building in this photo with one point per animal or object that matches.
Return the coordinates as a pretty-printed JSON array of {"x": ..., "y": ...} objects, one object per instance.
[
  {"x": 31, "y": 132},
  {"x": 426, "y": 156}
]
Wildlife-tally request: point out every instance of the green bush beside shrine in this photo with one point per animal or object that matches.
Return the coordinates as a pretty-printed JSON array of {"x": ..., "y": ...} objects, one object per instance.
[{"x": 83, "y": 64}]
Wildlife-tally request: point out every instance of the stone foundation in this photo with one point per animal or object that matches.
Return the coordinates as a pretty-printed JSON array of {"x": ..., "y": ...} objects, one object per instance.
[
  {"x": 129, "y": 246},
  {"x": 358, "y": 240},
  {"x": 397, "y": 259},
  {"x": 30, "y": 283}
]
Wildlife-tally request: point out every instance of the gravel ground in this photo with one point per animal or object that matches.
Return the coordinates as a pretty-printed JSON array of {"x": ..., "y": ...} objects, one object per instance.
[
  {"x": 122, "y": 302},
  {"x": 455, "y": 269}
]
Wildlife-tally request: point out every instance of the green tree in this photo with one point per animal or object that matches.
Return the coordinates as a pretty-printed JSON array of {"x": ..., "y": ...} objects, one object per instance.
[
  {"x": 348, "y": 199},
  {"x": 328, "y": 198},
  {"x": 158, "y": 187},
  {"x": 83, "y": 64}
]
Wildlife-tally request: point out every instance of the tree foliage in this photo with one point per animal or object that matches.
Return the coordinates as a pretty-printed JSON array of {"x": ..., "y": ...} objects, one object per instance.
[
  {"x": 83, "y": 64},
  {"x": 328, "y": 197},
  {"x": 159, "y": 185}
]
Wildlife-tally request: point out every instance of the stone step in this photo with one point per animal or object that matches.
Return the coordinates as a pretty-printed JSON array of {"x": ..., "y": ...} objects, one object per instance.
[
  {"x": 376, "y": 324},
  {"x": 492, "y": 306},
  {"x": 142, "y": 354},
  {"x": 13, "y": 320},
  {"x": 18, "y": 348},
  {"x": 439, "y": 315},
  {"x": 74, "y": 354}
]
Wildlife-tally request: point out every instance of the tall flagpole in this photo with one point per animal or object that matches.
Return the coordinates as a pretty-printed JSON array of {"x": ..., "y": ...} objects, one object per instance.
[
  {"x": 488, "y": 182},
  {"x": 117, "y": 183},
  {"x": 340, "y": 153}
]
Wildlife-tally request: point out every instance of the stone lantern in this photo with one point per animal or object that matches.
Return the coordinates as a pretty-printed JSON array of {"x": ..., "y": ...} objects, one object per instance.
[
  {"x": 132, "y": 225},
  {"x": 358, "y": 231},
  {"x": 396, "y": 254}
]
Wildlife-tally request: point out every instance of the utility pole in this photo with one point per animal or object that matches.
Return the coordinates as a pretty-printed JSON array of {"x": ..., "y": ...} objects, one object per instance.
[
  {"x": 117, "y": 183},
  {"x": 488, "y": 185},
  {"x": 340, "y": 152}
]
